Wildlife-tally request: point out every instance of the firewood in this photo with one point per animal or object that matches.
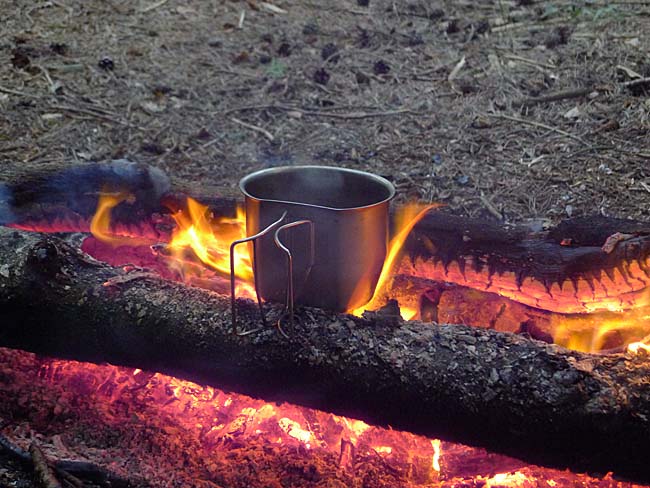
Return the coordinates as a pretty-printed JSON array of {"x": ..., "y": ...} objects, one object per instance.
[
  {"x": 506, "y": 392},
  {"x": 584, "y": 265},
  {"x": 44, "y": 474},
  {"x": 70, "y": 471}
]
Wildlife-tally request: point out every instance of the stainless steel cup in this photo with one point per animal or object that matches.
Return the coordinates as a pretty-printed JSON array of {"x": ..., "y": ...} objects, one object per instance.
[{"x": 336, "y": 259}]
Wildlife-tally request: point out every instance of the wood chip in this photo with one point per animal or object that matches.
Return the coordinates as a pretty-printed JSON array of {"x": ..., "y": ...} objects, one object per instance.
[
  {"x": 272, "y": 8},
  {"x": 456, "y": 70}
]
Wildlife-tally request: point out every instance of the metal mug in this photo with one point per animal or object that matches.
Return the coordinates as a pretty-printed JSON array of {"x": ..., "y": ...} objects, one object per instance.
[{"x": 319, "y": 231}]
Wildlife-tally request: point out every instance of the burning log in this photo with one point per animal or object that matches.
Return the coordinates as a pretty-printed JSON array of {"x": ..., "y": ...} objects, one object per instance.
[
  {"x": 508, "y": 393},
  {"x": 584, "y": 265}
]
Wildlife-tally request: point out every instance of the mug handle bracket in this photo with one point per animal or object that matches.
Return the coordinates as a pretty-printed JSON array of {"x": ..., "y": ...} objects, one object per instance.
[
  {"x": 289, "y": 299},
  {"x": 233, "y": 278}
]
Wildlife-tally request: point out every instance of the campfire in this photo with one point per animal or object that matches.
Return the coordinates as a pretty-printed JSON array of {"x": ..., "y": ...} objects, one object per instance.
[{"x": 282, "y": 406}]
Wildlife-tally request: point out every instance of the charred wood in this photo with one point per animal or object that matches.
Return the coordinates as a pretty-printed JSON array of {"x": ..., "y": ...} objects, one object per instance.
[
  {"x": 583, "y": 265},
  {"x": 506, "y": 392},
  {"x": 44, "y": 474},
  {"x": 74, "y": 473}
]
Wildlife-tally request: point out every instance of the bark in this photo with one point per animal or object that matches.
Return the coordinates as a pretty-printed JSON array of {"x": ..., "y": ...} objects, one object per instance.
[{"x": 505, "y": 392}]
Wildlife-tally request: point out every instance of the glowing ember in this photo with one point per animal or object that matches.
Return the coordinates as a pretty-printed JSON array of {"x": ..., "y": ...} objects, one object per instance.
[
  {"x": 637, "y": 347},
  {"x": 514, "y": 480},
  {"x": 173, "y": 432},
  {"x": 598, "y": 332},
  {"x": 435, "y": 443},
  {"x": 406, "y": 218}
]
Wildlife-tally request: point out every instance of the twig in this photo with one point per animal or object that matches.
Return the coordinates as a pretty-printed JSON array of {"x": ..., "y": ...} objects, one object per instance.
[
  {"x": 138, "y": 275},
  {"x": 153, "y": 6},
  {"x": 353, "y": 115},
  {"x": 97, "y": 115},
  {"x": 44, "y": 474},
  {"x": 490, "y": 206},
  {"x": 529, "y": 25},
  {"x": 575, "y": 93},
  {"x": 529, "y": 61},
  {"x": 554, "y": 97},
  {"x": 9, "y": 91},
  {"x": 456, "y": 70},
  {"x": 639, "y": 81},
  {"x": 318, "y": 113},
  {"x": 272, "y": 8},
  {"x": 541, "y": 125},
  {"x": 256, "y": 128},
  {"x": 71, "y": 471}
]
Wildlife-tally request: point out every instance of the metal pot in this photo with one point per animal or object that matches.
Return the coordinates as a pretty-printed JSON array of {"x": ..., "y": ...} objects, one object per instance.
[{"x": 330, "y": 233}]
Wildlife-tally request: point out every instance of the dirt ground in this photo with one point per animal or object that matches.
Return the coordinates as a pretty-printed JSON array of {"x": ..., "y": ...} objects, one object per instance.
[{"x": 443, "y": 97}]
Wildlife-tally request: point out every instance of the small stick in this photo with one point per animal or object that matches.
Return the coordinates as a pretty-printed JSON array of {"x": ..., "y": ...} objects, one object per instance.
[
  {"x": 490, "y": 206},
  {"x": 539, "y": 124},
  {"x": 153, "y": 6},
  {"x": 44, "y": 475},
  {"x": 9, "y": 91},
  {"x": 354, "y": 115},
  {"x": 256, "y": 128},
  {"x": 91, "y": 113},
  {"x": 456, "y": 70},
  {"x": 318, "y": 113},
  {"x": 63, "y": 468},
  {"x": 554, "y": 97},
  {"x": 638, "y": 81},
  {"x": 529, "y": 61}
]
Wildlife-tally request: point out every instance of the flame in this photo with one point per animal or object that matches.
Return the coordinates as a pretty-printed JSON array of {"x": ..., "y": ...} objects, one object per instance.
[
  {"x": 100, "y": 225},
  {"x": 407, "y": 313},
  {"x": 406, "y": 218},
  {"x": 435, "y": 443},
  {"x": 197, "y": 235},
  {"x": 210, "y": 240},
  {"x": 604, "y": 331},
  {"x": 637, "y": 347}
]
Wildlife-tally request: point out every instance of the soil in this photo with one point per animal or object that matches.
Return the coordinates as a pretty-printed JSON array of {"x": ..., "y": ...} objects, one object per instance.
[{"x": 435, "y": 95}]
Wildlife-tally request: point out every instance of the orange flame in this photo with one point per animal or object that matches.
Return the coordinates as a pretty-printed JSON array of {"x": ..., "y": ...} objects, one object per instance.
[
  {"x": 435, "y": 443},
  {"x": 197, "y": 233},
  {"x": 601, "y": 332},
  {"x": 100, "y": 225},
  {"x": 406, "y": 218},
  {"x": 210, "y": 240}
]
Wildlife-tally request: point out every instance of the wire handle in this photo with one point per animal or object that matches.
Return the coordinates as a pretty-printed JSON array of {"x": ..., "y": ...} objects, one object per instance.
[
  {"x": 289, "y": 300},
  {"x": 233, "y": 298}
]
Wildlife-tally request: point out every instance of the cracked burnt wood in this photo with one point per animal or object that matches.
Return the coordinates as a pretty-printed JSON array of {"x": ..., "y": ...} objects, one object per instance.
[
  {"x": 502, "y": 391},
  {"x": 590, "y": 264}
]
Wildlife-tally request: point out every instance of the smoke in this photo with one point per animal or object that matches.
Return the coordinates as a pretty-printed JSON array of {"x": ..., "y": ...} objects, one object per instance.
[{"x": 6, "y": 214}]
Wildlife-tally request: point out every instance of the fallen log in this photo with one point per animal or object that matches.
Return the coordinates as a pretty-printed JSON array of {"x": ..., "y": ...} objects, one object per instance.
[{"x": 505, "y": 392}]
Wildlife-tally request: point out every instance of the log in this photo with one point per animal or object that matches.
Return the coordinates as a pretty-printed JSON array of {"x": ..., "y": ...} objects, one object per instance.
[
  {"x": 584, "y": 265},
  {"x": 502, "y": 391}
]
